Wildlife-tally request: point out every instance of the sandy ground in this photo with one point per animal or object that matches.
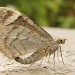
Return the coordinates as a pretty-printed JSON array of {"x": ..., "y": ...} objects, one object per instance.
[{"x": 10, "y": 67}]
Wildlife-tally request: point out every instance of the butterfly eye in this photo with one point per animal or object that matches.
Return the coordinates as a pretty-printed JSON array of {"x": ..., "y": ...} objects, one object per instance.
[{"x": 61, "y": 41}]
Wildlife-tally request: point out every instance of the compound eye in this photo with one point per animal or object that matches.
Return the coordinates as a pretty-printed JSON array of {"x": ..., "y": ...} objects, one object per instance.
[{"x": 61, "y": 41}]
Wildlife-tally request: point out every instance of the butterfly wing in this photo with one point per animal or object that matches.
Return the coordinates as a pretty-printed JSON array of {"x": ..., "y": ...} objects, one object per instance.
[{"x": 19, "y": 34}]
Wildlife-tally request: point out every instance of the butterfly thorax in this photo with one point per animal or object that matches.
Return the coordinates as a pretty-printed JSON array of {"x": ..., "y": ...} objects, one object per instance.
[{"x": 55, "y": 45}]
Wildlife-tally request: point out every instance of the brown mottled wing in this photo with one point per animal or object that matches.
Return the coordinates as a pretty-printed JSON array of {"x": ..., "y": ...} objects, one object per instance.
[{"x": 19, "y": 35}]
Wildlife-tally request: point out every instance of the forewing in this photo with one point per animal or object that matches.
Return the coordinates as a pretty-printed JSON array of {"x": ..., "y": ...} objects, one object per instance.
[{"x": 20, "y": 35}]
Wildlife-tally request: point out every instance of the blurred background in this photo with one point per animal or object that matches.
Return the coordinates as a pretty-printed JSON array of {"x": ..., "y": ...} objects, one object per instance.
[{"x": 48, "y": 13}]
